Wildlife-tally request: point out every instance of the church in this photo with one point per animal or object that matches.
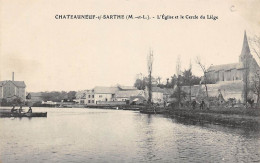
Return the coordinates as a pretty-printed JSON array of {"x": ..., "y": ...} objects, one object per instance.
[
  {"x": 235, "y": 71},
  {"x": 229, "y": 79}
]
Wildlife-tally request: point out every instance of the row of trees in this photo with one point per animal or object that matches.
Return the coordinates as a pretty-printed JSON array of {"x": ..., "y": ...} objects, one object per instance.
[
  {"x": 186, "y": 78},
  {"x": 181, "y": 78},
  {"x": 15, "y": 101},
  {"x": 56, "y": 96}
]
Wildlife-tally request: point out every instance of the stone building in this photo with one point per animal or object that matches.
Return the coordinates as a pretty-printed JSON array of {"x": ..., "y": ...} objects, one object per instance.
[
  {"x": 229, "y": 79},
  {"x": 11, "y": 89},
  {"x": 235, "y": 71}
]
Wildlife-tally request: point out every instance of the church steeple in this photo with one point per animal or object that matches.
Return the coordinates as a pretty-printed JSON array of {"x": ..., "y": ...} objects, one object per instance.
[{"x": 245, "y": 49}]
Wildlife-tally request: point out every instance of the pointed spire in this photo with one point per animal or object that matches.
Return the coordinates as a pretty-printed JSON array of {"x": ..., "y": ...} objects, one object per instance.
[{"x": 245, "y": 48}]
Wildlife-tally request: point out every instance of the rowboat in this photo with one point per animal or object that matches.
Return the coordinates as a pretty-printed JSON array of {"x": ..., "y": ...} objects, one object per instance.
[{"x": 33, "y": 114}]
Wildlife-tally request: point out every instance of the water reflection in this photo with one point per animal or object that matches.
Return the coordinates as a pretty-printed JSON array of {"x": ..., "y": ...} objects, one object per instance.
[
  {"x": 242, "y": 131},
  {"x": 89, "y": 135}
]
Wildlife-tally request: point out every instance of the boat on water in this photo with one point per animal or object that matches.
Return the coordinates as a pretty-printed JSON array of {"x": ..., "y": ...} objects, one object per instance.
[
  {"x": 34, "y": 114},
  {"x": 8, "y": 113}
]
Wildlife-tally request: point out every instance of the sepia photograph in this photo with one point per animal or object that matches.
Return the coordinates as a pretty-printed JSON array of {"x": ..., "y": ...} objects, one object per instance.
[{"x": 129, "y": 81}]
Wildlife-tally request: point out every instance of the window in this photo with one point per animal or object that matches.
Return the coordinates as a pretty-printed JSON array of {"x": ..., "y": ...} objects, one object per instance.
[
  {"x": 92, "y": 96},
  {"x": 88, "y": 101},
  {"x": 93, "y": 101},
  {"x": 88, "y": 96}
]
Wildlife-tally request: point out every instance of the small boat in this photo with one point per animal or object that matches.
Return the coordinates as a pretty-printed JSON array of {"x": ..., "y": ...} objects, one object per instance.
[
  {"x": 33, "y": 114},
  {"x": 153, "y": 111}
]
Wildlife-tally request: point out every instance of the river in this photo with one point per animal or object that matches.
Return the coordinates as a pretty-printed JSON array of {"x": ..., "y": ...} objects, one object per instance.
[{"x": 100, "y": 135}]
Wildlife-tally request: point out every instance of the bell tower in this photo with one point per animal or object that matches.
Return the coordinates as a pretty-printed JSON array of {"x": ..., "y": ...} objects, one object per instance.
[{"x": 245, "y": 53}]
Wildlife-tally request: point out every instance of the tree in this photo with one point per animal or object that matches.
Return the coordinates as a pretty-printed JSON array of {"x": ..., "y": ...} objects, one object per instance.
[
  {"x": 4, "y": 102},
  {"x": 203, "y": 68},
  {"x": 178, "y": 83},
  {"x": 72, "y": 95},
  {"x": 17, "y": 101},
  {"x": 150, "y": 70},
  {"x": 140, "y": 84},
  {"x": 256, "y": 86},
  {"x": 255, "y": 46},
  {"x": 173, "y": 81},
  {"x": 187, "y": 79},
  {"x": 246, "y": 80},
  {"x": 55, "y": 96}
]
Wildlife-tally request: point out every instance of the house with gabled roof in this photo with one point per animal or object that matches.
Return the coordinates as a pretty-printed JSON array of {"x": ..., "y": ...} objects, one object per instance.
[
  {"x": 124, "y": 95},
  {"x": 101, "y": 94}
]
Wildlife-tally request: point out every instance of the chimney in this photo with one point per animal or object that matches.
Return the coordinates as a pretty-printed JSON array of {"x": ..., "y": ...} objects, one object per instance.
[{"x": 13, "y": 76}]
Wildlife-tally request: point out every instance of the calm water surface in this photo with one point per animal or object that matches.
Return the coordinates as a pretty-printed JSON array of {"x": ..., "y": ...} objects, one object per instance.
[{"x": 95, "y": 135}]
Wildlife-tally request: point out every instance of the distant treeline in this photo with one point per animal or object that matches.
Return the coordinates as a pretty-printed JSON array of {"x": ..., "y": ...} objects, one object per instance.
[
  {"x": 186, "y": 78},
  {"x": 56, "y": 96}
]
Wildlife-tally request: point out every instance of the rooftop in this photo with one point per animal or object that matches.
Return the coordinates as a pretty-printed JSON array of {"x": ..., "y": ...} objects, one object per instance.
[
  {"x": 20, "y": 84},
  {"x": 106, "y": 90},
  {"x": 129, "y": 93},
  {"x": 226, "y": 67}
]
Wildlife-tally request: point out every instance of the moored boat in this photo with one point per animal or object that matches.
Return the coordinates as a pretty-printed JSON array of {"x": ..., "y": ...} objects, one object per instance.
[
  {"x": 33, "y": 114},
  {"x": 153, "y": 110}
]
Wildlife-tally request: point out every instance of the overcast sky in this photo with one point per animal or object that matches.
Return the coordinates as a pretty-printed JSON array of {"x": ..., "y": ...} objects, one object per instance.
[{"x": 50, "y": 54}]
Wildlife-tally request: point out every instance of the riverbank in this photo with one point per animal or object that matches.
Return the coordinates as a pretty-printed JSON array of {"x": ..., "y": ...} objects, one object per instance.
[{"x": 237, "y": 117}]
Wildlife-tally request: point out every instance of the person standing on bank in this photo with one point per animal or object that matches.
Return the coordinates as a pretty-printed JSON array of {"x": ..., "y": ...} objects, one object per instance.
[
  {"x": 193, "y": 104},
  {"x": 202, "y": 105}
]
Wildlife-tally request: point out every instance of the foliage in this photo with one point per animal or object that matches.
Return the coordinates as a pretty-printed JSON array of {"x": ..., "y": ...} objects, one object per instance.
[
  {"x": 4, "y": 102},
  {"x": 15, "y": 101},
  {"x": 180, "y": 92},
  {"x": 140, "y": 84},
  {"x": 56, "y": 96},
  {"x": 71, "y": 95}
]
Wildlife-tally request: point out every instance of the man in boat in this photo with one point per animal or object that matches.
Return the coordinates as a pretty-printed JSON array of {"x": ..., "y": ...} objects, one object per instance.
[
  {"x": 30, "y": 110},
  {"x": 13, "y": 109},
  {"x": 20, "y": 109}
]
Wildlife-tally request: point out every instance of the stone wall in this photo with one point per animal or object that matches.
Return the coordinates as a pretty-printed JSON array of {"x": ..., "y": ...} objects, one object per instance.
[{"x": 229, "y": 89}]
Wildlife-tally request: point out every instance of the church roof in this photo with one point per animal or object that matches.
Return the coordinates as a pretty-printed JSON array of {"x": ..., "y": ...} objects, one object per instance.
[
  {"x": 225, "y": 67},
  {"x": 245, "y": 48}
]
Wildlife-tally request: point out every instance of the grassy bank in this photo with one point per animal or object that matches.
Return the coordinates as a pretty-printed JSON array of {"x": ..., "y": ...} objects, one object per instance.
[{"x": 238, "y": 117}]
